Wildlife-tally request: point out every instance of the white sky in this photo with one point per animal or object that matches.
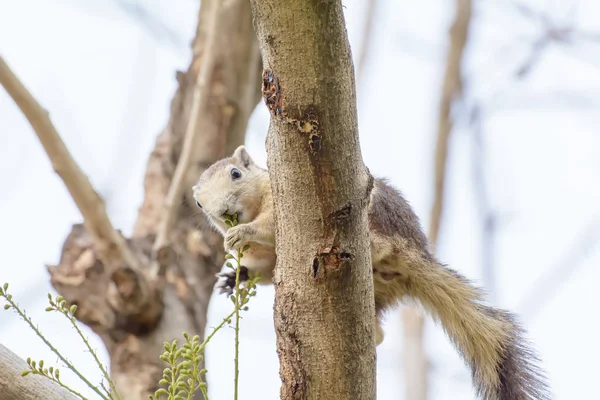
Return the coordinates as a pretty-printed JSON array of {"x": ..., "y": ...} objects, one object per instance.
[{"x": 108, "y": 82}]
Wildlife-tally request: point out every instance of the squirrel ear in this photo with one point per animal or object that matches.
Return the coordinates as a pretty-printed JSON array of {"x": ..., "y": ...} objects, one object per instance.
[{"x": 242, "y": 156}]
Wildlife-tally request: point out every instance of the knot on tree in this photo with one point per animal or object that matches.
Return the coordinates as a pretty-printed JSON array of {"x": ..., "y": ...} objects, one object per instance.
[
  {"x": 307, "y": 123},
  {"x": 271, "y": 93},
  {"x": 330, "y": 259}
]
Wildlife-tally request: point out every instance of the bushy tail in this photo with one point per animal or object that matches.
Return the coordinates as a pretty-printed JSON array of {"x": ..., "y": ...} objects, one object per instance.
[{"x": 490, "y": 340}]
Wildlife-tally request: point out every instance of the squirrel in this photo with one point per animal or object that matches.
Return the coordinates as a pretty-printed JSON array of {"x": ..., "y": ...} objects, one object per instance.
[{"x": 490, "y": 340}]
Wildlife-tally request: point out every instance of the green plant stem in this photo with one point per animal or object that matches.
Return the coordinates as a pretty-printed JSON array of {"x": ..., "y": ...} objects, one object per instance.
[
  {"x": 237, "y": 325},
  {"x": 218, "y": 327},
  {"x": 96, "y": 359},
  {"x": 204, "y": 392},
  {"x": 76, "y": 393},
  {"x": 174, "y": 375},
  {"x": 54, "y": 350}
]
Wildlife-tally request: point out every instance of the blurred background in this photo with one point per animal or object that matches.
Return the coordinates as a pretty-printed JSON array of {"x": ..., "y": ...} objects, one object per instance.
[{"x": 521, "y": 211}]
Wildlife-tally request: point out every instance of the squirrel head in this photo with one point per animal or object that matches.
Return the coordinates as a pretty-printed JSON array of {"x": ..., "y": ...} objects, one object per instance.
[{"x": 230, "y": 186}]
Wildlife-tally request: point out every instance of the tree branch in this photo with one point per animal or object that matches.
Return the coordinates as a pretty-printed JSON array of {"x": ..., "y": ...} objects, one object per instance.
[
  {"x": 415, "y": 362},
  {"x": 123, "y": 305},
  {"x": 556, "y": 277},
  {"x": 30, "y": 387},
  {"x": 324, "y": 298},
  {"x": 488, "y": 216},
  {"x": 198, "y": 107},
  {"x": 365, "y": 44},
  {"x": 109, "y": 244}
]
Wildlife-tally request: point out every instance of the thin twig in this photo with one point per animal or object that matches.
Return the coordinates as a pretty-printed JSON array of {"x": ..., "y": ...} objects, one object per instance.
[
  {"x": 110, "y": 245},
  {"x": 489, "y": 217},
  {"x": 238, "y": 300},
  {"x": 198, "y": 106},
  {"x": 28, "y": 320},
  {"x": 365, "y": 44},
  {"x": 95, "y": 356},
  {"x": 415, "y": 363},
  {"x": 556, "y": 277}
]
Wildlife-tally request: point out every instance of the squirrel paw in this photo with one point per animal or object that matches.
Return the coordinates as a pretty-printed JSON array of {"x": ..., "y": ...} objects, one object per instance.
[
  {"x": 227, "y": 284},
  {"x": 234, "y": 238}
]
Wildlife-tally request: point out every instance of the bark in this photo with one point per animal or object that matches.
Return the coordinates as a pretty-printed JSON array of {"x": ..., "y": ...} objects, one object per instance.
[
  {"x": 32, "y": 387},
  {"x": 415, "y": 361},
  {"x": 324, "y": 305},
  {"x": 131, "y": 305}
]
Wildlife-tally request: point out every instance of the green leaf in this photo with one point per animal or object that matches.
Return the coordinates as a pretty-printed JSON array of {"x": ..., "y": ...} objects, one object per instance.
[
  {"x": 48, "y": 309},
  {"x": 25, "y": 373},
  {"x": 6, "y": 306},
  {"x": 246, "y": 247},
  {"x": 73, "y": 309},
  {"x": 5, "y": 287}
]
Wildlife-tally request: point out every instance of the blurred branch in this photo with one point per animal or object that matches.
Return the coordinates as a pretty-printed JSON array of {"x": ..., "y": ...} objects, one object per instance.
[
  {"x": 556, "y": 277},
  {"x": 556, "y": 28},
  {"x": 363, "y": 53},
  {"x": 488, "y": 216},
  {"x": 419, "y": 47},
  {"x": 528, "y": 12},
  {"x": 158, "y": 29},
  {"x": 542, "y": 100},
  {"x": 109, "y": 244},
  {"x": 415, "y": 362},
  {"x": 199, "y": 103},
  {"x": 451, "y": 89},
  {"x": 532, "y": 58}
]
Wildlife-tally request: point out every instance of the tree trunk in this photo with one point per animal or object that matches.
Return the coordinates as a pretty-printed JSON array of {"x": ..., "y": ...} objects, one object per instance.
[
  {"x": 415, "y": 361},
  {"x": 32, "y": 387},
  {"x": 324, "y": 301},
  {"x": 131, "y": 306}
]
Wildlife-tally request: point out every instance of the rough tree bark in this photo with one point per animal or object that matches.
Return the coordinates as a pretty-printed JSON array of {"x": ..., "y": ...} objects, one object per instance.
[
  {"x": 415, "y": 361},
  {"x": 33, "y": 387},
  {"x": 324, "y": 306},
  {"x": 131, "y": 305}
]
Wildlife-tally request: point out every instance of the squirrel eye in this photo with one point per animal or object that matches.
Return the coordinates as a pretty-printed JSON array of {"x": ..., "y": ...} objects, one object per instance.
[
  {"x": 235, "y": 173},
  {"x": 198, "y": 204}
]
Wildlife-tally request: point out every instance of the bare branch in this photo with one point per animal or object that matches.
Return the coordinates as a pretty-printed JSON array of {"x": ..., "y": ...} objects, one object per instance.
[
  {"x": 157, "y": 28},
  {"x": 109, "y": 244},
  {"x": 556, "y": 277},
  {"x": 199, "y": 101},
  {"x": 533, "y": 57},
  {"x": 365, "y": 45},
  {"x": 489, "y": 217},
  {"x": 415, "y": 363},
  {"x": 30, "y": 387},
  {"x": 451, "y": 88}
]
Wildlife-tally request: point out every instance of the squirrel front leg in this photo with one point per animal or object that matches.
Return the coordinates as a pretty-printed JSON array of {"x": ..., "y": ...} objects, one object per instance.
[{"x": 260, "y": 231}]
